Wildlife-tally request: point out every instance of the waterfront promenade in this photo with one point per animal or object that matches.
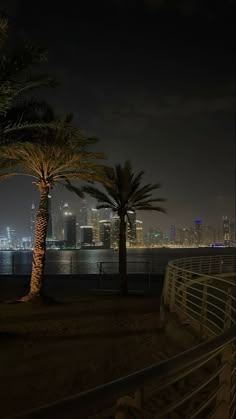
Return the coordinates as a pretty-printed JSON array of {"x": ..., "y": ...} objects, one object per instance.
[{"x": 197, "y": 309}]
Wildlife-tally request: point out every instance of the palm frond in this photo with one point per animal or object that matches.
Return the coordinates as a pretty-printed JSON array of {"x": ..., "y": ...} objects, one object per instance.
[
  {"x": 151, "y": 208},
  {"x": 101, "y": 197},
  {"x": 11, "y": 90},
  {"x": 100, "y": 206},
  {"x": 68, "y": 185},
  {"x": 3, "y": 29},
  {"x": 125, "y": 193},
  {"x": 14, "y": 65}
]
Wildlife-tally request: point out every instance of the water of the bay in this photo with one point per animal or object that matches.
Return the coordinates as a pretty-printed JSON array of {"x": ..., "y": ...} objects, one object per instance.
[{"x": 92, "y": 261}]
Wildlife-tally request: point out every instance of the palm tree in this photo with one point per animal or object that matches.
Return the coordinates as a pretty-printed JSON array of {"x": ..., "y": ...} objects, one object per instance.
[
  {"x": 124, "y": 193},
  {"x": 19, "y": 115},
  {"x": 57, "y": 159}
]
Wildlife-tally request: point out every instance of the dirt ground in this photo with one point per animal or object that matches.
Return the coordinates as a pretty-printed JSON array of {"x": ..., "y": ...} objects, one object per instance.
[{"x": 48, "y": 352}]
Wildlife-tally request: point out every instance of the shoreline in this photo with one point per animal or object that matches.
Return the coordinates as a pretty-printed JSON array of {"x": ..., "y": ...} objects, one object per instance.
[{"x": 63, "y": 286}]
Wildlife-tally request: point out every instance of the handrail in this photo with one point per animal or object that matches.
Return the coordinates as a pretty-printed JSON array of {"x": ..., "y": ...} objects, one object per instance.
[
  {"x": 81, "y": 403},
  {"x": 219, "y": 340},
  {"x": 201, "y": 289}
]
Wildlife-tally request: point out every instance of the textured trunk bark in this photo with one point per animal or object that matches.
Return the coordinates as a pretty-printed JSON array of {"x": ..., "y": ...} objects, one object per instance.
[
  {"x": 39, "y": 244},
  {"x": 123, "y": 257}
]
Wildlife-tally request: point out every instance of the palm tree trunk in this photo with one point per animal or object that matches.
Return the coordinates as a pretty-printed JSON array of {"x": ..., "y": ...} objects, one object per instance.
[
  {"x": 123, "y": 257},
  {"x": 39, "y": 244}
]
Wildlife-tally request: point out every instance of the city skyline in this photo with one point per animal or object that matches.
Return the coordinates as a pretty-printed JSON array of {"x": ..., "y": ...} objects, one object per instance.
[
  {"x": 162, "y": 220},
  {"x": 70, "y": 226}
]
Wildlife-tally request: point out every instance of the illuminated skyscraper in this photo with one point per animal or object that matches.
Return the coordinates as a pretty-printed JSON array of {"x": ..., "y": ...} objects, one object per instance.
[
  {"x": 139, "y": 233},
  {"x": 69, "y": 229},
  {"x": 155, "y": 236},
  {"x": 83, "y": 214},
  {"x": 49, "y": 228},
  {"x": 11, "y": 237},
  {"x": 105, "y": 213},
  {"x": 86, "y": 234},
  {"x": 183, "y": 236},
  {"x": 93, "y": 220},
  {"x": 172, "y": 234},
  {"x": 105, "y": 233},
  {"x": 232, "y": 232},
  {"x": 226, "y": 231},
  {"x": 59, "y": 220},
  {"x": 131, "y": 228},
  {"x": 198, "y": 232},
  {"x": 115, "y": 228}
]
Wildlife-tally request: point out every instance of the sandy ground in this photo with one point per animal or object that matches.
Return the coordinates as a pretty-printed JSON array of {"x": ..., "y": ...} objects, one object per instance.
[{"x": 50, "y": 352}]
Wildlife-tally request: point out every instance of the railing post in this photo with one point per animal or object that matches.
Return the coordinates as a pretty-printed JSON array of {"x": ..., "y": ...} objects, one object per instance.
[
  {"x": 186, "y": 281},
  {"x": 223, "y": 396},
  {"x": 149, "y": 276},
  {"x": 228, "y": 309},
  {"x": 200, "y": 265},
  {"x": 166, "y": 286},
  {"x": 203, "y": 315},
  {"x": 221, "y": 264},
  {"x": 100, "y": 275},
  {"x": 210, "y": 266},
  {"x": 172, "y": 282},
  {"x": 126, "y": 403}
]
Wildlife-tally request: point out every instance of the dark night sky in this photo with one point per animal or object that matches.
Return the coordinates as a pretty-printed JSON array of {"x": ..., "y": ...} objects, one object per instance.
[{"x": 154, "y": 80}]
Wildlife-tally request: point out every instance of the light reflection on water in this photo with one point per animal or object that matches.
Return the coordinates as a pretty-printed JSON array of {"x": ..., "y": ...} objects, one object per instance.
[{"x": 89, "y": 261}]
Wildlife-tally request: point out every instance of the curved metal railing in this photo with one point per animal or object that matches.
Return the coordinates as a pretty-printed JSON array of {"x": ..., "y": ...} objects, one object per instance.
[
  {"x": 198, "y": 383},
  {"x": 202, "y": 291}
]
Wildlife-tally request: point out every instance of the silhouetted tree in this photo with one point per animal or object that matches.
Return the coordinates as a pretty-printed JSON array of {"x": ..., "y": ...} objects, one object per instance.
[{"x": 123, "y": 193}]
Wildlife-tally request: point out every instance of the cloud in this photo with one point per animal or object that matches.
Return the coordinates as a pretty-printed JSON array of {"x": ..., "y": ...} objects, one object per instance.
[{"x": 175, "y": 106}]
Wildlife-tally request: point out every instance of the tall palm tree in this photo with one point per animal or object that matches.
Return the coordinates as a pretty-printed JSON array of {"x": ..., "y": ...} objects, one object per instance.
[
  {"x": 55, "y": 160},
  {"x": 124, "y": 192}
]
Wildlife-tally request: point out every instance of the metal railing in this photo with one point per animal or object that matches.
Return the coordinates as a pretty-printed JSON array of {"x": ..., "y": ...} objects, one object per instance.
[{"x": 197, "y": 383}]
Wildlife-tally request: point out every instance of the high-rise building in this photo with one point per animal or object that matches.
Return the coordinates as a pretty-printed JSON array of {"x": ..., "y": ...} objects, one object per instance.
[
  {"x": 155, "y": 236},
  {"x": 86, "y": 235},
  {"x": 26, "y": 243},
  {"x": 172, "y": 234},
  {"x": 182, "y": 237},
  {"x": 59, "y": 220},
  {"x": 131, "y": 228},
  {"x": 70, "y": 230},
  {"x": 11, "y": 237},
  {"x": 166, "y": 239},
  {"x": 198, "y": 232},
  {"x": 115, "y": 231},
  {"x": 93, "y": 220},
  {"x": 139, "y": 233},
  {"x": 3, "y": 243},
  {"x": 49, "y": 228},
  {"x": 226, "y": 231},
  {"x": 105, "y": 233},
  {"x": 69, "y": 226},
  {"x": 83, "y": 214},
  {"x": 232, "y": 232},
  {"x": 208, "y": 235},
  {"x": 105, "y": 213}
]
